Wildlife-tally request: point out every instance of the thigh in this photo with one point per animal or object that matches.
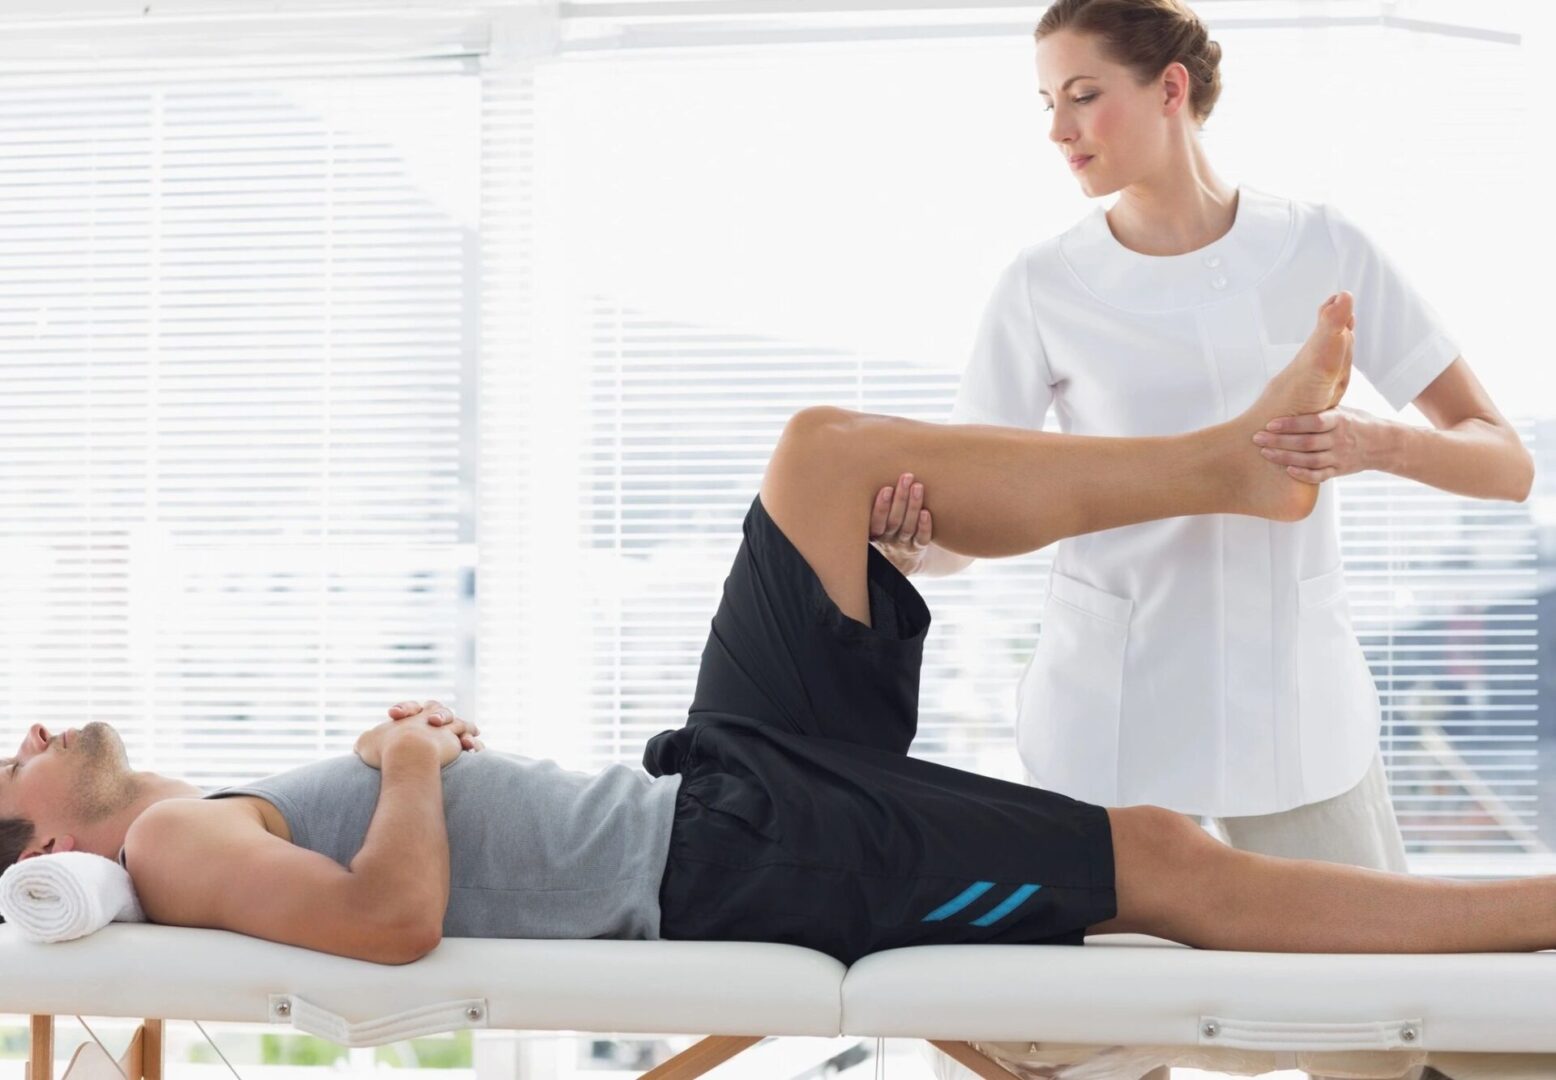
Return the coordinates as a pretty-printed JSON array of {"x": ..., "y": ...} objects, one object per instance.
[
  {"x": 1357, "y": 827},
  {"x": 780, "y": 651}
]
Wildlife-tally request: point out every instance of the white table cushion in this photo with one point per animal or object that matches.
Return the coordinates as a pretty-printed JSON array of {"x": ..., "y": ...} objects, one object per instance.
[
  {"x": 1133, "y": 990},
  {"x": 1117, "y": 990},
  {"x": 692, "y": 987}
]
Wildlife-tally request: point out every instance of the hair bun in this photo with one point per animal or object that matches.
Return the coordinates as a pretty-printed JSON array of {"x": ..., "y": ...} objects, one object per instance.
[{"x": 1145, "y": 36}]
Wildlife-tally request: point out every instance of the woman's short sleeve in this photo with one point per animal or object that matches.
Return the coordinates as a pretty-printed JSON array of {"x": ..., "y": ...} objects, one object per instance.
[
  {"x": 1401, "y": 344},
  {"x": 1006, "y": 381}
]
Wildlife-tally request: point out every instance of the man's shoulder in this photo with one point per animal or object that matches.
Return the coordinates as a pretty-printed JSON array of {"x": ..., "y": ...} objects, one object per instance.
[
  {"x": 182, "y": 828},
  {"x": 183, "y": 813},
  {"x": 171, "y": 839},
  {"x": 212, "y": 863}
]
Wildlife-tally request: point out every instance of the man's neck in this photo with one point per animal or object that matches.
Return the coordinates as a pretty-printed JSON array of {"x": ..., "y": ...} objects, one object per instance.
[{"x": 149, "y": 789}]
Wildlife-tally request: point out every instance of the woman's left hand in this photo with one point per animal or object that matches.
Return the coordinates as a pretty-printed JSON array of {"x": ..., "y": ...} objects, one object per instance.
[{"x": 1321, "y": 446}]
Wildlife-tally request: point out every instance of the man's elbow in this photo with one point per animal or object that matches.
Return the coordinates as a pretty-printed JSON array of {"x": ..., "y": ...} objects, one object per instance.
[
  {"x": 407, "y": 943},
  {"x": 1523, "y": 476},
  {"x": 1525, "y": 487}
]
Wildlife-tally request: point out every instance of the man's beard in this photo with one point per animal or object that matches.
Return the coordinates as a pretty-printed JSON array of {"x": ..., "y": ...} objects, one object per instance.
[{"x": 104, "y": 784}]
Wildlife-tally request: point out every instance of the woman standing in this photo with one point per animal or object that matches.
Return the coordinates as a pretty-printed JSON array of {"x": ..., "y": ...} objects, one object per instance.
[{"x": 1204, "y": 664}]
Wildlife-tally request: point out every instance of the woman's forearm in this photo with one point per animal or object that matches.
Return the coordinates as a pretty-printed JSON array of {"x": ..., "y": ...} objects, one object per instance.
[{"x": 1474, "y": 457}]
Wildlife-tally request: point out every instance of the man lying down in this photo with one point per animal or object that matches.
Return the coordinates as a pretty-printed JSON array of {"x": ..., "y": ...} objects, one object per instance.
[{"x": 786, "y": 809}]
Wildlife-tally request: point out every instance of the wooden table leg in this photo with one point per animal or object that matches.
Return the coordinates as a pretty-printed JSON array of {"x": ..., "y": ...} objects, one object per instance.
[
  {"x": 142, "y": 1058},
  {"x": 151, "y": 1050},
  {"x": 40, "y": 1061},
  {"x": 980, "y": 1064},
  {"x": 701, "y": 1056},
  {"x": 41, "y": 1049}
]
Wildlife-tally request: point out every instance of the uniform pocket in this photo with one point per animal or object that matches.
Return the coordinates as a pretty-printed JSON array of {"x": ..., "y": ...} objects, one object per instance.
[
  {"x": 1071, "y": 697},
  {"x": 1337, "y": 699}
]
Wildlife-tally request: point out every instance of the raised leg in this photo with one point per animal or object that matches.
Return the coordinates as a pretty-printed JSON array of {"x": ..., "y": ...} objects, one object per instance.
[
  {"x": 1176, "y": 882},
  {"x": 1003, "y": 491}
]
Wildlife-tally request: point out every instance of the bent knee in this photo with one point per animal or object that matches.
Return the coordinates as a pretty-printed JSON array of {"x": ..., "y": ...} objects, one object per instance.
[
  {"x": 1156, "y": 853},
  {"x": 816, "y": 423},
  {"x": 1155, "y": 830},
  {"x": 813, "y": 437}
]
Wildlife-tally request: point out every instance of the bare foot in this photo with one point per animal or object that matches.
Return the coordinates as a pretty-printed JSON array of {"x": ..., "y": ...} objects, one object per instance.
[{"x": 1315, "y": 380}]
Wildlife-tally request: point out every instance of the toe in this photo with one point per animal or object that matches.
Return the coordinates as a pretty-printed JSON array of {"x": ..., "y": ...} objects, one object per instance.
[{"x": 1337, "y": 314}]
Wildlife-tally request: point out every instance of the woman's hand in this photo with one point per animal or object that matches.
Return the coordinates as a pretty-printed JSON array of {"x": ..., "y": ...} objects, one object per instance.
[
  {"x": 1321, "y": 446},
  {"x": 900, "y": 526},
  {"x": 433, "y": 725}
]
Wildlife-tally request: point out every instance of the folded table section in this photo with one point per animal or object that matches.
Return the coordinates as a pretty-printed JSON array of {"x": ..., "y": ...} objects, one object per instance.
[{"x": 1132, "y": 990}]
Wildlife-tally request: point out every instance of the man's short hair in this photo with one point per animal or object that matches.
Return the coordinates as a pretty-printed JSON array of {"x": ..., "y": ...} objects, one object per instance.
[{"x": 15, "y": 835}]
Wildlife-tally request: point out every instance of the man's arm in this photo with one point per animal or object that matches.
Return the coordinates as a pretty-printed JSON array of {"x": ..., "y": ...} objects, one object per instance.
[
  {"x": 406, "y": 849},
  {"x": 212, "y": 864}
]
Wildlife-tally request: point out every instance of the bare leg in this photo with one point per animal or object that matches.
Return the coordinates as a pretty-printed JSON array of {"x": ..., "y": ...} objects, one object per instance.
[
  {"x": 1003, "y": 491},
  {"x": 1176, "y": 882}
]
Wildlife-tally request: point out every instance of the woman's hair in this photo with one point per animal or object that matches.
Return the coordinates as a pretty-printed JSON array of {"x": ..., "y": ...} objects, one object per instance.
[{"x": 1145, "y": 36}]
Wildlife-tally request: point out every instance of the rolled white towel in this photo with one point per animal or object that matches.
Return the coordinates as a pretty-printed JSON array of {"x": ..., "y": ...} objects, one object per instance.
[{"x": 68, "y": 895}]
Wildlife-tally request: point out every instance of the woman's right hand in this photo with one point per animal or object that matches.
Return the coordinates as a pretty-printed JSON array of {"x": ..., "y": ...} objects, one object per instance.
[{"x": 900, "y": 526}]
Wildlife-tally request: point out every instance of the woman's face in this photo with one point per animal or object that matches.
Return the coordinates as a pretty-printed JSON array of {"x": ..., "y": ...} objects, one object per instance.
[{"x": 1119, "y": 130}]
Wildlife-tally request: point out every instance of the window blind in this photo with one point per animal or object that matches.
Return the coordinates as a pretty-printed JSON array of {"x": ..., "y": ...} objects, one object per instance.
[{"x": 235, "y": 326}]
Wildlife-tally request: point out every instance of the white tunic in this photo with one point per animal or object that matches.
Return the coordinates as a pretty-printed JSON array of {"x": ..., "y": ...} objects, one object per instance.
[{"x": 1206, "y": 663}]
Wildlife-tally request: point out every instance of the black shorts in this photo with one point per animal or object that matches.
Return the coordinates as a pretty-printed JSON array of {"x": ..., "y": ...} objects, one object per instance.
[{"x": 801, "y": 819}]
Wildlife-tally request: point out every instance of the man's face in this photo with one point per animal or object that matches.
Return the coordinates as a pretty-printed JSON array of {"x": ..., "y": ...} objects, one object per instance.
[{"x": 64, "y": 782}]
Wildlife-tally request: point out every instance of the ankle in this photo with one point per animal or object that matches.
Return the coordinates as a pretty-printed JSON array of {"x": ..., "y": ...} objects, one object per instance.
[{"x": 1219, "y": 461}]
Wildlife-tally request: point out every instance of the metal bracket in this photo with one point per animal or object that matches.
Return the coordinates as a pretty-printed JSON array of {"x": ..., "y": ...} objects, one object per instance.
[
  {"x": 1273, "y": 1035},
  {"x": 425, "y": 1020}
]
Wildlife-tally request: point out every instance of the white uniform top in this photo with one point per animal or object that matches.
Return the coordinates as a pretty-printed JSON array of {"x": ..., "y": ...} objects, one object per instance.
[{"x": 1206, "y": 664}]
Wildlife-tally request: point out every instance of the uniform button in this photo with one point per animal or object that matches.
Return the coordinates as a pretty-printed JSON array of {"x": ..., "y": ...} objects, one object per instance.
[
  {"x": 1212, "y": 261},
  {"x": 1218, "y": 282}
]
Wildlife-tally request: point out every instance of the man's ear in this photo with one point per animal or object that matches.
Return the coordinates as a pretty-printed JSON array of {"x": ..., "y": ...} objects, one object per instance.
[{"x": 52, "y": 847}]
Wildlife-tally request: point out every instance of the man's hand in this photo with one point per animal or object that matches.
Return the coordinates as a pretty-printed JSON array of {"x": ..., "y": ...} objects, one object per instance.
[
  {"x": 433, "y": 726},
  {"x": 439, "y": 714}
]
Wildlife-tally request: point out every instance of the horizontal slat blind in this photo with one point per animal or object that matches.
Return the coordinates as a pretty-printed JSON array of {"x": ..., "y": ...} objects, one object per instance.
[
  {"x": 233, "y": 332},
  {"x": 1444, "y": 596}
]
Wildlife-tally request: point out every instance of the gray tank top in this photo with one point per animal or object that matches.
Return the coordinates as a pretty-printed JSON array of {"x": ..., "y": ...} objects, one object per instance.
[{"x": 535, "y": 850}]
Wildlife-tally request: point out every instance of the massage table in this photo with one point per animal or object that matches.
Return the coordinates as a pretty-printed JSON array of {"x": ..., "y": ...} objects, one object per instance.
[{"x": 1118, "y": 991}]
